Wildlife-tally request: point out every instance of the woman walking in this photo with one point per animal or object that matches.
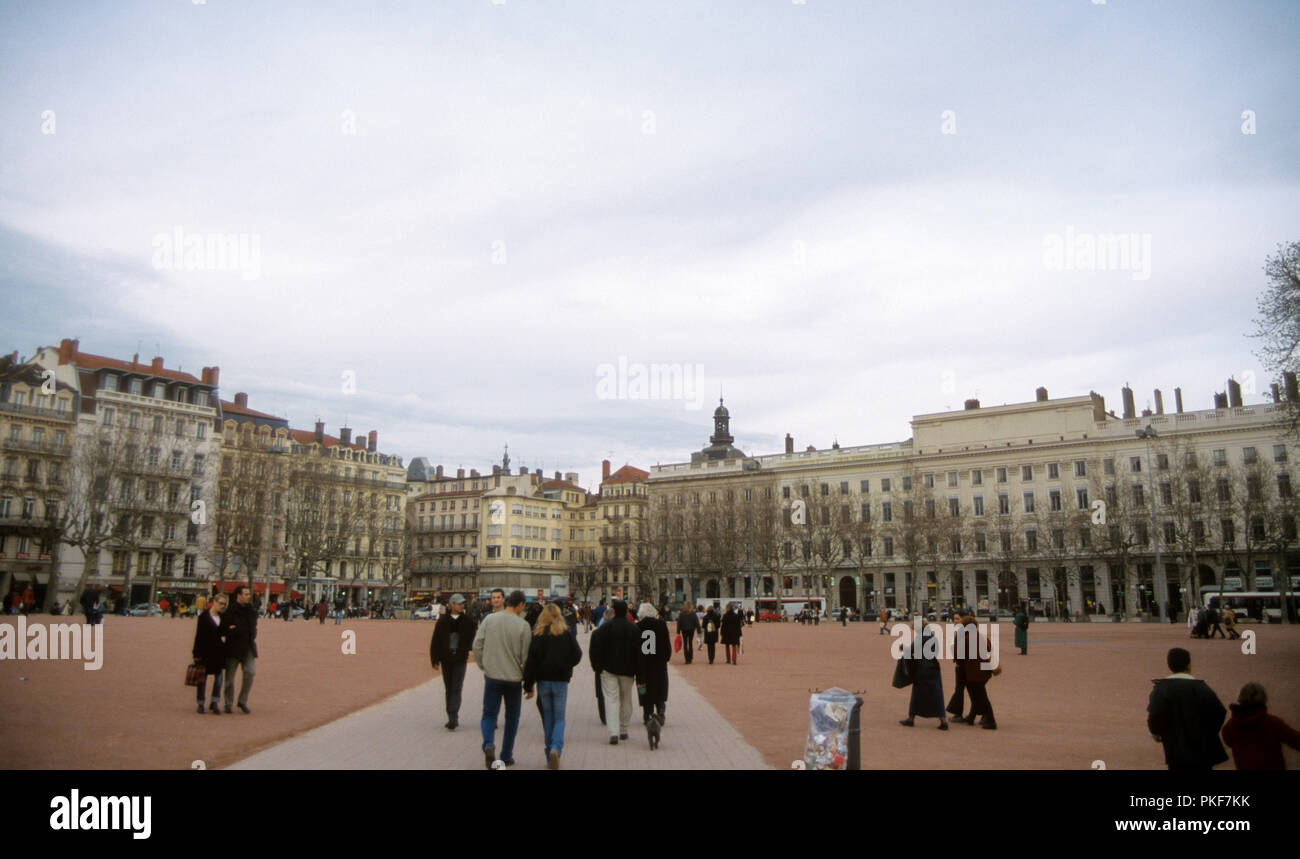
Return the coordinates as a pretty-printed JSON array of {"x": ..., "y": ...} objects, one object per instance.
[
  {"x": 551, "y": 658},
  {"x": 687, "y": 625},
  {"x": 210, "y": 649},
  {"x": 731, "y": 630},
  {"x": 652, "y": 667},
  {"x": 710, "y": 626},
  {"x": 1022, "y": 629},
  {"x": 927, "y": 683}
]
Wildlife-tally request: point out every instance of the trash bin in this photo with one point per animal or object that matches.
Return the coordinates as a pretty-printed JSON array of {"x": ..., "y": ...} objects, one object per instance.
[{"x": 834, "y": 731}]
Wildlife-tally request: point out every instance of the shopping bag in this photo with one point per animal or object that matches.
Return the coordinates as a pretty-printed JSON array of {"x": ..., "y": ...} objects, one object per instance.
[
  {"x": 902, "y": 673},
  {"x": 677, "y": 643},
  {"x": 196, "y": 674}
]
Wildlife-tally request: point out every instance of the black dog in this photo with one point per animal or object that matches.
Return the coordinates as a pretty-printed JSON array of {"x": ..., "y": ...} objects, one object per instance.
[{"x": 653, "y": 729}]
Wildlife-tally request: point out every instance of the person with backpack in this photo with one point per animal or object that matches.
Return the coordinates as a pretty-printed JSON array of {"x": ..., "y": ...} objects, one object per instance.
[{"x": 711, "y": 626}]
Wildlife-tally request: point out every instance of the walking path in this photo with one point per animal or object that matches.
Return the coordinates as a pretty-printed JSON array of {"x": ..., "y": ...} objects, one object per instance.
[{"x": 406, "y": 732}]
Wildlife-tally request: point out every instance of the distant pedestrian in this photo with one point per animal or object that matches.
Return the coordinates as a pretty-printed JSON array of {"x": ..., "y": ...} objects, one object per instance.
[
  {"x": 1185, "y": 715},
  {"x": 552, "y": 654},
  {"x": 1022, "y": 629},
  {"x": 884, "y": 621},
  {"x": 711, "y": 625},
  {"x": 501, "y": 650},
  {"x": 926, "y": 699},
  {"x": 1230, "y": 623},
  {"x": 1213, "y": 623},
  {"x": 613, "y": 653},
  {"x": 1255, "y": 735},
  {"x": 957, "y": 703},
  {"x": 687, "y": 626},
  {"x": 321, "y": 610},
  {"x": 730, "y": 632},
  {"x": 210, "y": 649},
  {"x": 653, "y": 653},
  {"x": 453, "y": 638}
]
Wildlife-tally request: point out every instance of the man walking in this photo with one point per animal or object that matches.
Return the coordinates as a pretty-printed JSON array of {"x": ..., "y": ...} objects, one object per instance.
[
  {"x": 453, "y": 635},
  {"x": 613, "y": 652},
  {"x": 1185, "y": 715},
  {"x": 884, "y": 621},
  {"x": 501, "y": 650},
  {"x": 239, "y": 625},
  {"x": 687, "y": 625}
]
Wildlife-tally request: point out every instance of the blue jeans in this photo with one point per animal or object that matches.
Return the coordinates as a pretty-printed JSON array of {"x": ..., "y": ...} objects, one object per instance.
[
  {"x": 493, "y": 693},
  {"x": 553, "y": 694}
]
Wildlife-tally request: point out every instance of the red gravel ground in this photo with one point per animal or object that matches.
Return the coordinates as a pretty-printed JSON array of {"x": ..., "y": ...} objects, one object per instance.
[{"x": 1079, "y": 696}]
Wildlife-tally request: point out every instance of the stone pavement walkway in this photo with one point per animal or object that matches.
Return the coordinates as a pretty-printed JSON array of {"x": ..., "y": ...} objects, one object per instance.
[{"x": 406, "y": 732}]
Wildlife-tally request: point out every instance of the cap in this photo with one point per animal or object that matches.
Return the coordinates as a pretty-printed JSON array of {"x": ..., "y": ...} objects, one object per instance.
[{"x": 457, "y": 599}]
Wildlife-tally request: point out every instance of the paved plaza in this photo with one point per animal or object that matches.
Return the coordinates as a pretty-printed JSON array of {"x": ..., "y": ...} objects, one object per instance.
[{"x": 1078, "y": 697}]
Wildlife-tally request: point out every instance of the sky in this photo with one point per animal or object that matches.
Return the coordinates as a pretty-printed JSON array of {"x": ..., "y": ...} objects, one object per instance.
[{"x": 459, "y": 219}]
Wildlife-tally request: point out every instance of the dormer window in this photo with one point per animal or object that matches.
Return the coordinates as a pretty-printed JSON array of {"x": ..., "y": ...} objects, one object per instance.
[
  {"x": 109, "y": 382},
  {"x": 137, "y": 387}
]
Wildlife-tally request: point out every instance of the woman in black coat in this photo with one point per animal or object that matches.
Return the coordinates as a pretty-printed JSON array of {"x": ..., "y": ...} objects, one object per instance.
[
  {"x": 712, "y": 624},
  {"x": 210, "y": 649},
  {"x": 731, "y": 627},
  {"x": 927, "y": 683},
  {"x": 652, "y": 667}
]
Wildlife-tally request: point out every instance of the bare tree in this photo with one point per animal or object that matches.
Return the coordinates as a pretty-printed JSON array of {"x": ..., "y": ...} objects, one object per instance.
[{"x": 1279, "y": 320}]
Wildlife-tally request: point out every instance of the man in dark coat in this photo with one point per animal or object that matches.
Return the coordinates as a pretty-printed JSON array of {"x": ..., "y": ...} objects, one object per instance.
[
  {"x": 687, "y": 625},
  {"x": 976, "y": 676},
  {"x": 1185, "y": 715},
  {"x": 652, "y": 663},
  {"x": 927, "y": 682},
  {"x": 453, "y": 637},
  {"x": 957, "y": 703},
  {"x": 239, "y": 625},
  {"x": 613, "y": 653}
]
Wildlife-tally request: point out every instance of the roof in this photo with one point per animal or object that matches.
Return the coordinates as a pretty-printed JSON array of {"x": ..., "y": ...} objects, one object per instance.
[
  {"x": 229, "y": 408},
  {"x": 627, "y": 474},
  {"x": 561, "y": 484},
  {"x": 86, "y": 361},
  {"x": 308, "y": 437}
]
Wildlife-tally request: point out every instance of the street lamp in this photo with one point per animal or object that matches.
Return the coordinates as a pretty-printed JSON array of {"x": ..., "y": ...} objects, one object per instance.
[{"x": 1162, "y": 597}]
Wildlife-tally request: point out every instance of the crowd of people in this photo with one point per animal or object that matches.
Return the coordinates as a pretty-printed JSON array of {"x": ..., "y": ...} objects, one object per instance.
[{"x": 1205, "y": 622}]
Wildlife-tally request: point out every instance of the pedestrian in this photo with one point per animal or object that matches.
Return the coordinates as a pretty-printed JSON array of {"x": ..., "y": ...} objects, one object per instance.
[
  {"x": 239, "y": 625},
  {"x": 90, "y": 605},
  {"x": 500, "y": 650},
  {"x": 957, "y": 703},
  {"x": 1202, "y": 623},
  {"x": 598, "y": 613},
  {"x": 453, "y": 637},
  {"x": 977, "y": 676},
  {"x": 1192, "y": 616},
  {"x": 687, "y": 625},
  {"x": 1255, "y": 735},
  {"x": 926, "y": 699},
  {"x": 1022, "y": 629},
  {"x": 730, "y": 631},
  {"x": 497, "y": 601},
  {"x": 210, "y": 650},
  {"x": 321, "y": 610},
  {"x": 710, "y": 627},
  {"x": 613, "y": 653},
  {"x": 652, "y": 664},
  {"x": 884, "y": 621},
  {"x": 1213, "y": 623},
  {"x": 1185, "y": 715},
  {"x": 1230, "y": 622},
  {"x": 551, "y": 656}
]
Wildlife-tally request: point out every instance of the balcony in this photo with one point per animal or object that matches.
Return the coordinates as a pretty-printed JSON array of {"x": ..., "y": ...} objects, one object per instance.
[
  {"x": 31, "y": 446},
  {"x": 205, "y": 412},
  {"x": 40, "y": 412}
]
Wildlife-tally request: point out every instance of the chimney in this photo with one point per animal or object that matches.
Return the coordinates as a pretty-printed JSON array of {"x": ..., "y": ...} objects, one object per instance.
[
  {"x": 523, "y": 469},
  {"x": 135, "y": 359},
  {"x": 157, "y": 364},
  {"x": 68, "y": 350},
  {"x": 1220, "y": 400},
  {"x": 604, "y": 469},
  {"x": 1098, "y": 407},
  {"x": 789, "y": 443},
  {"x": 241, "y": 400},
  {"x": 496, "y": 470},
  {"x": 1126, "y": 394},
  {"x": 972, "y": 405},
  {"x": 1146, "y": 413},
  {"x": 208, "y": 376},
  {"x": 1234, "y": 393},
  {"x": 1041, "y": 395},
  {"x": 557, "y": 476},
  {"x": 473, "y": 472},
  {"x": 320, "y": 432},
  {"x": 345, "y": 436},
  {"x": 1289, "y": 385},
  {"x": 438, "y": 472},
  {"x": 460, "y": 474},
  {"x": 1160, "y": 402},
  {"x": 572, "y": 477},
  {"x": 1178, "y": 400},
  {"x": 1277, "y": 393},
  {"x": 537, "y": 473}
]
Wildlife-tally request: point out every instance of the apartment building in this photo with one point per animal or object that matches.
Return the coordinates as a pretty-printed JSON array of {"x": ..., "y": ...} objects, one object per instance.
[{"x": 624, "y": 533}]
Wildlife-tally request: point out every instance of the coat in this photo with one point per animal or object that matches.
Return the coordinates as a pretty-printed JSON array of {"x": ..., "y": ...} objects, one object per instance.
[
  {"x": 1256, "y": 737},
  {"x": 1022, "y": 630},
  {"x": 927, "y": 683},
  {"x": 614, "y": 647},
  {"x": 551, "y": 658},
  {"x": 711, "y": 617},
  {"x": 732, "y": 623},
  {"x": 208, "y": 646},
  {"x": 441, "y": 647},
  {"x": 1186, "y": 715},
  {"x": 687, "y": 624},
  {"x": 239, "y": 624},
  {"x": 652, "y": 667}
]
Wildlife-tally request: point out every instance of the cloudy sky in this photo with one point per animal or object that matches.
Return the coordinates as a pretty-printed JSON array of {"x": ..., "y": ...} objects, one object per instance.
[{"x": 838, "y": 214}]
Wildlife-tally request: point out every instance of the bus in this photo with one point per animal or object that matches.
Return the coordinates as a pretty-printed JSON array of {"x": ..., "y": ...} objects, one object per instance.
[
  {"x": 788, "y": 607},
  {"x": 1258, "y": 606}
]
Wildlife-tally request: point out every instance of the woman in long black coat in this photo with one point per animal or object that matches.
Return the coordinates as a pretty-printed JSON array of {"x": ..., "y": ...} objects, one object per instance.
[
  {"x": 210, "y": 649},
  {"x": 652, "y": 667},
  {"x": 927, "y": 683},
  {"x": 731, "y": 629},
  {"x": 711, "y": 625}
]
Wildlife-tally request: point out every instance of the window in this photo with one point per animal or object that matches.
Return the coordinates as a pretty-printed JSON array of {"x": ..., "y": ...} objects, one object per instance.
[
  {"x": 1194, "y": 491},
  {"x": 887, "y": 512},
  {"x": 952, "y": 480},
  {"x": 908, "y": 511},
  {"x": 191, "y": 561},
  {"x": 1081, "y": 497},
  {"x": 928, "y": 481},
  {"x": 844, "y": 487},
  {"x": 1002, "y": 475},
  {"x": 907, "y": 484},
  {"x": 954, "y": 507},
  {"x": 1029, "y": 502},
  {"x": 954, "y": 545},
  {"x": 1054, "y": 500},
  {"x": 889, "y": 547},
  {"x": 866, "y": 512},
  {"x": 1166, "y": 493},
  {"x": 1248, "y": 455},
  {"x": 1031, "y": 541},
  {"x": 1220, "y": 457},
  {"x": 864, "y": 486},
  {"x": 1135, "y": 464},
  {"x": 1279, "y": 453},
  {"x": 981, "y": 542},
  {"x": 1252, "y": 488},
  {"x": 1228, "y": 527},
  {"x": 1108, "y": 466},
  {"x": 1058, "y": 538},
  {"x": 884, "y": 484},
  {"x": 1139, "y": 497},
  {"x": 202, "y": 429},
  {"x": 1080, "y": 468},
  {"x": 1198, "y": 532},
  {"x": 1223, "y": 489},
  {"x": 785, "y": 492},
  {"x": 1026, "y": 472},
  {"x": 1004, "y": 504},
  {"x": 978, "y": 502},
  {"x": 1170, "y": 535},
  {"x": 976, "y": 477},
  {"x": 1162, "y": 462},
  {"x": 929, "y": 508},
  {"x": 1005, "y": 538},
  {"x": 180, "y": 427},
  {"x": 846, "y": 514},
  {"x": 1053, "y": 471},
  {"x": 108, "y": 417},
  {"x": 198, "y": 465},
  {"x": 1085, "y": 538},
  {"x": 1284, "y": 485}
]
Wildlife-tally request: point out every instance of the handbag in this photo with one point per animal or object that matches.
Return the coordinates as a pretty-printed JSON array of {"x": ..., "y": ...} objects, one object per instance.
[
  {"x": 677, "y": 643},
  {"x": 196, "y": 674},
  {"x": 902, "y": 673}
]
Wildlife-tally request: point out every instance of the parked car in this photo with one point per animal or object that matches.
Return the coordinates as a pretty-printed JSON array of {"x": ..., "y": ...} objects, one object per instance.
[
  {"x": 142, "y": 609},
  {"x": 768, "y": 615},
  {"x": 427, "y": 612}
]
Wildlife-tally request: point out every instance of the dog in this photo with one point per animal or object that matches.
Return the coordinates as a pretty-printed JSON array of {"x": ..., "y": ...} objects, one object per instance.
[{"x": 653, "y": 729}]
